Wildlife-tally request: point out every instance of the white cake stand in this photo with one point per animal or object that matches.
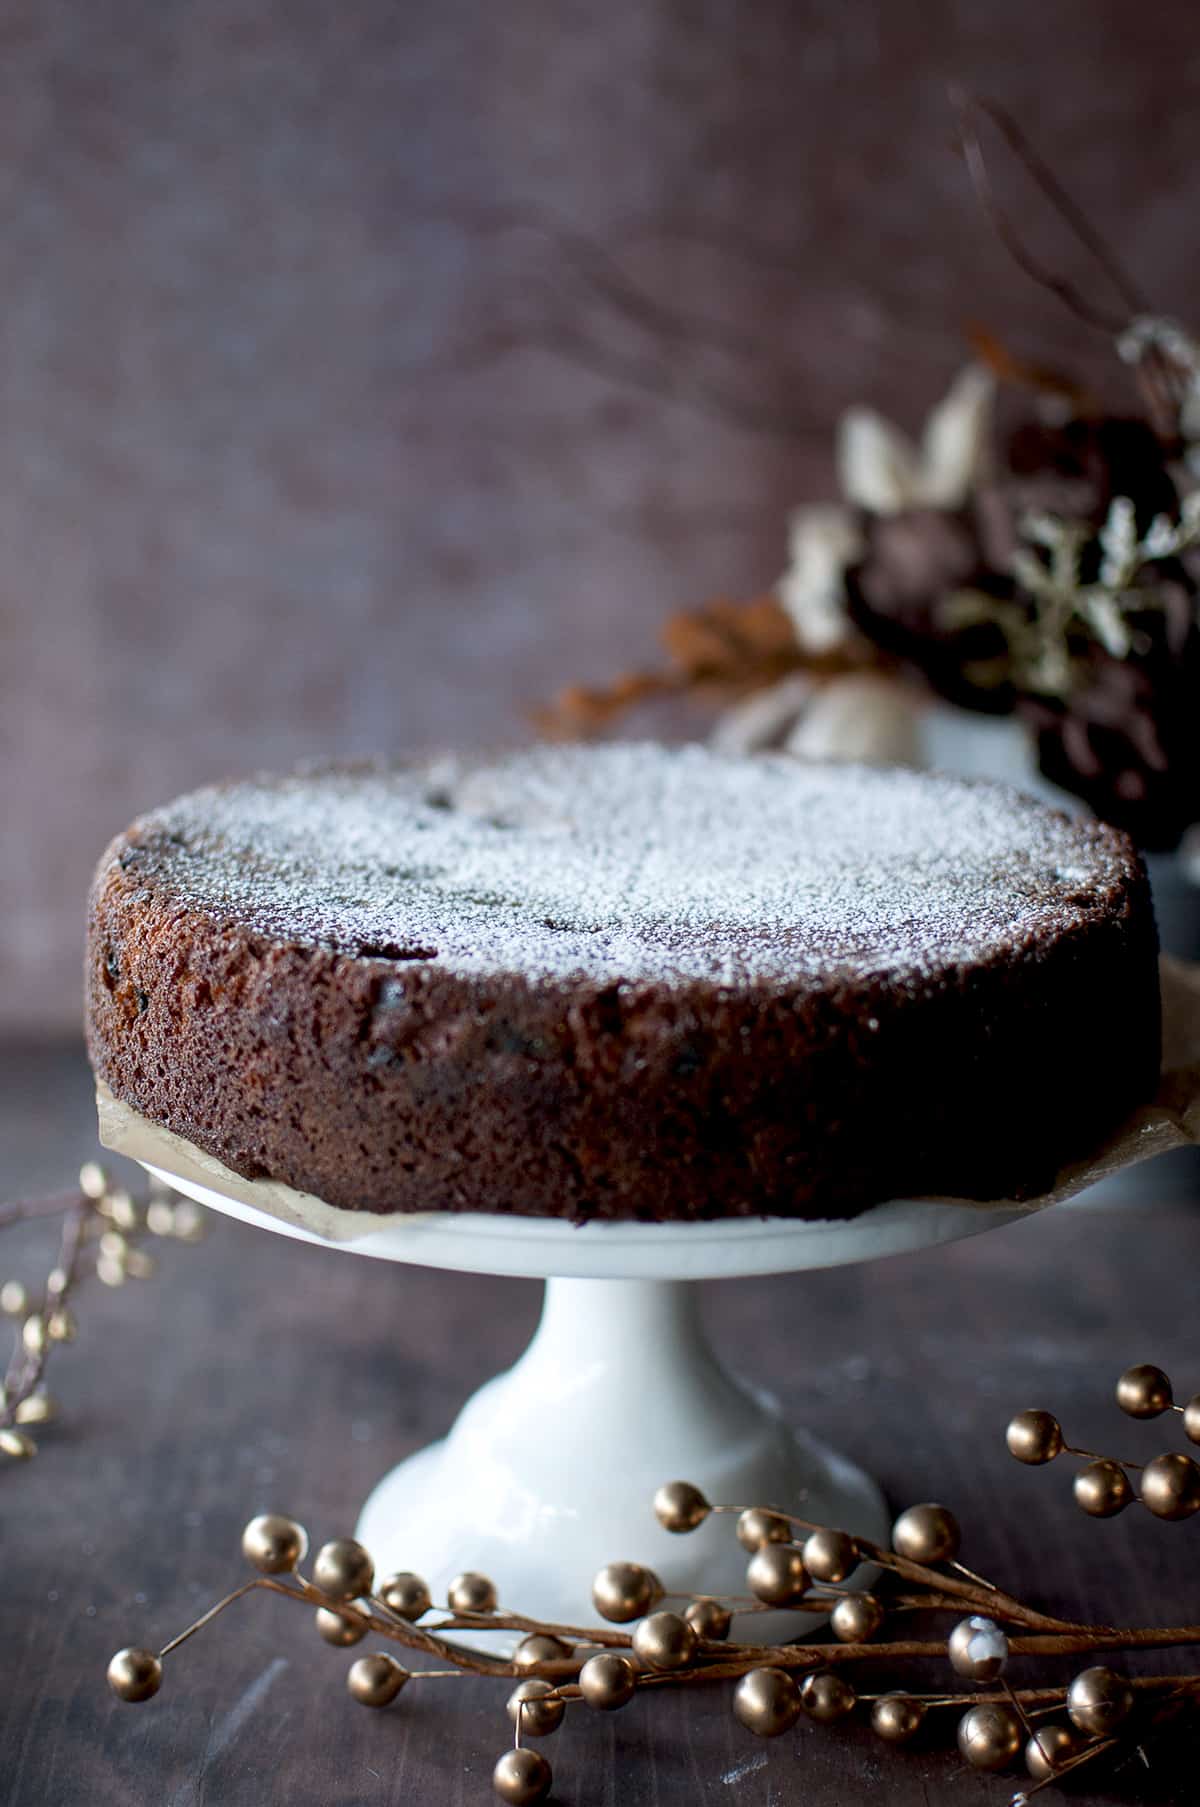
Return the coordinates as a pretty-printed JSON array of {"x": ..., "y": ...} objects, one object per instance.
[{"x": 549, "y": 1470}]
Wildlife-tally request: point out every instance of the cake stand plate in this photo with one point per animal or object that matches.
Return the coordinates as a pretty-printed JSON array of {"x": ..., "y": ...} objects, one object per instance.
[{"x": 549, "y": 1470}]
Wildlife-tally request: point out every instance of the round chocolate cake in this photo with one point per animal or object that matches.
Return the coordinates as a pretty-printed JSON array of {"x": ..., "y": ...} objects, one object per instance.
[{"x": 625, "y": 982}]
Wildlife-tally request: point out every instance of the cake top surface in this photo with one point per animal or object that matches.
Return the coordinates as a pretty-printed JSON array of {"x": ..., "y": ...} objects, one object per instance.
[{"x": 633, "y": 862}]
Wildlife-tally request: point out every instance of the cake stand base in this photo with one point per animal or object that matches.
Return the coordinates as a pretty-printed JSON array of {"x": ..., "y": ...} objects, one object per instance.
[{"x": 550, "y": 1469}]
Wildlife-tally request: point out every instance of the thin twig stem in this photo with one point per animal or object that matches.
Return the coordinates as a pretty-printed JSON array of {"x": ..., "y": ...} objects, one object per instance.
[
  {"x": 1091, "y": 1455},
  {"x": 1077, "y": 221},
  {"x": 1068, "y": 292},
  {"x": 992, "y": 1600},
  {"x": 717, "y": 1661},
  {"x": 27, "y": 1367},
  {"x": 205, "y": 1618},
  {"x": 27, "y": 1210}
]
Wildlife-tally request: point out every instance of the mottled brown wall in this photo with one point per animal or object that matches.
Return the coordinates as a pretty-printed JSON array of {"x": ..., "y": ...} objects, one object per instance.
[{"x": 250, "y": 510}]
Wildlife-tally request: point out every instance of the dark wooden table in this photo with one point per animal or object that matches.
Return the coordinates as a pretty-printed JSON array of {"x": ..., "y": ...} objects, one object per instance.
[{"x": 254, "y": 1373}]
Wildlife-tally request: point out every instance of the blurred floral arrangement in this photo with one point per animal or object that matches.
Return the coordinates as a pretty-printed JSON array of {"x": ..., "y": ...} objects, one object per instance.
[
  {"x": 1052, "y": 1729},
  {"x": 1049, "y": 569}
]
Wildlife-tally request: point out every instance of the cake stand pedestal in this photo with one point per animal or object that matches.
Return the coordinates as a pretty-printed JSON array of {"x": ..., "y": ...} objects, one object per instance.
[{"x": 549, "y": 1470}]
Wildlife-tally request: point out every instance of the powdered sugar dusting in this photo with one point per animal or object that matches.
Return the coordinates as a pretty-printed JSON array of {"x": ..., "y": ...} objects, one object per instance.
[{"x": 633, "y": 862}]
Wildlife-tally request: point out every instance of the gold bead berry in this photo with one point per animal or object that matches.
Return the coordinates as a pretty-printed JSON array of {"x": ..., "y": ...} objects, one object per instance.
[
  {"x": 1048, "y": 1749},
  {"x": 14, "y": 1299},
  {"x": 989, "y": 1736},
  {"x": 472, "y": 1593},
  {"x": 1191, "y": 1418},
  {"x": 37, "y": 1408},
  {"x": 273, "y": 1544},
  {"x": 189, "y": 1220},
  {"x": 1102, "y": 1489},
  {"x": 123, "y": 1208},
  {"x": 16, "y": 1445},
  {"x": 756, "y": 1527},
  {"x": 405, "y": 1594},
  {"x": 535, "y": 1708},
  {"x": 709, "y": 1618},
  {"x": 1098, "y": 1701},
  {"x": 522, "y": 1777},
  {"x": 1171, "y": 1486},
  {"x": 1034, "y": 1437},
  {"x": 767, "y": 1702},
  {"x": 135, "y": 1674},
  {"x": 664, "y": 1641},
  {"x": 825, "y": 1697},
  {"x": 830, "y": 1555},
  {"x": 160, "y": 1217},
  {"x": 343, "y": 1569},
  {"x": 375, "y": 1680},
  {"x": 897, "y": 1717},
  {"x": 337, "y": 1630},
  {"x": 978, "y": 1649},
  {"x": 539, "y": 1647},
  {"x": 776, "y": 1574},
  {"x": 927, "y": 1533},
  {"x": 678, "y": 1506},
  {"x": 1144, "y": 1392},
  {"x": 93, "y": 1181},
  {"x": 607, "y": 1681},
  {"x": 625, "y": 1590},
  {"x": 855, "y": 1618}
]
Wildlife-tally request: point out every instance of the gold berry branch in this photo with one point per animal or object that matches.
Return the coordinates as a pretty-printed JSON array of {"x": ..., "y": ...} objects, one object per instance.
[
  {"x": 1169, "y": 1483},
  {"x": 793, "y": 1564},
  {"x": 102, "y": 1234}
]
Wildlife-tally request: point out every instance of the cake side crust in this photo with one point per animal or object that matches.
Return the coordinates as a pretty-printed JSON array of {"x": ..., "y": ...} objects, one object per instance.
[{"x": 383, "y": 1084}]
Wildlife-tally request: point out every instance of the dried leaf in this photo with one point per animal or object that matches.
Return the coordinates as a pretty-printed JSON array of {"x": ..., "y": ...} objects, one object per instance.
[
  {"x": 730, "y": 642},
  {"x": 730, "y": 648},
  {"x": 1022, "y": 373},
  {"x": 579, "y": 711},
  {"x": 882, "y": 471},
  {"x": 879, "y": 468},
  {"x": 957, "y": 439}
]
